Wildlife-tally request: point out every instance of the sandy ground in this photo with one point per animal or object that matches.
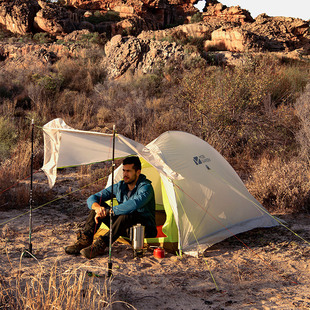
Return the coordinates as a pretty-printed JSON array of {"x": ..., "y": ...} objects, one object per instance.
[{"x": 269, "y": 269}]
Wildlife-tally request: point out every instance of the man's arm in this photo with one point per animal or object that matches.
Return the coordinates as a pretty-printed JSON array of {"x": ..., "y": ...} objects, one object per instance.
[
  {"x": 140, "y": 199},
  {"x": 93, "y": 202},
  {"x": 101, "y": 196}
]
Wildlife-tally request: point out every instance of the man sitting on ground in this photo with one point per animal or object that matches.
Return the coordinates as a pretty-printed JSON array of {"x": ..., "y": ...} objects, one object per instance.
[{"x": 136, "y": 204}]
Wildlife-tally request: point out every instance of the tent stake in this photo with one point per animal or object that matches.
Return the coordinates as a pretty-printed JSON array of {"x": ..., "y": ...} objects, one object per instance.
[
  {"x": 28, "y": 253},
  {"x": 111, "y": 211}
]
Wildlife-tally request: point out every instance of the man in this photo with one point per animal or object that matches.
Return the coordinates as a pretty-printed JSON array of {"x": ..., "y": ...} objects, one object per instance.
[{"x": 136, "y": 204}]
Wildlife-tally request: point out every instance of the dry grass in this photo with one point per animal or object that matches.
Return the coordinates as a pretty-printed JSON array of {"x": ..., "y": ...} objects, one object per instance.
[
  {"x": 282, "y": 186},
  {"x": 57, "y": 289}
]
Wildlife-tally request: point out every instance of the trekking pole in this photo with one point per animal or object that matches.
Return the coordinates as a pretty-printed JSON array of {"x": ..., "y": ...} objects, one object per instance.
[
  {"x": 111, "y": 210},
  {"x": 28, "y": 253}
]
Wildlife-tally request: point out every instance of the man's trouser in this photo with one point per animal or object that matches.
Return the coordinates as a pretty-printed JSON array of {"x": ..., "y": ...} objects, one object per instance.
[{"x": 120, "y": 224}]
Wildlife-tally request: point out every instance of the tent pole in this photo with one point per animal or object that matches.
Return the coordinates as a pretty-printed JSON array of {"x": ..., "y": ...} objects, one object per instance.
[
  {"x": 28, "y": 253},
  {"x": 111, "y": 212}
]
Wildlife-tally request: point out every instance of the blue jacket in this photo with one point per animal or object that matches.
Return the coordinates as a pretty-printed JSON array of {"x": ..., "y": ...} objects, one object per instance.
[{"x": 142, "y": 200}]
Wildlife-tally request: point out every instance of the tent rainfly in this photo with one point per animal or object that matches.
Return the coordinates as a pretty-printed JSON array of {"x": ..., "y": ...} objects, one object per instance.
[{"x": 200, "y": 199}]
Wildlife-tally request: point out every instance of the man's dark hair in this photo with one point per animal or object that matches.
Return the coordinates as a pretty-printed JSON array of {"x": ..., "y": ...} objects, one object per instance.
[{"x": 133, "y": 160}]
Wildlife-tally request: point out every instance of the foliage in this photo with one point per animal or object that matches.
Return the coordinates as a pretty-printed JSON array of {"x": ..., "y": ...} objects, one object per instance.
[
  {"x": 8, "y": 137},
  {"x": 197, "y": 17},
  {"x": 231, "y": 108},
  {"x": 282, "y": 186},
  {"x": 42, "y": 38},
  {"x": 190, "y": 43},
  {"x": 56, "y": 288},
  {"x": 98, "y": 17}
]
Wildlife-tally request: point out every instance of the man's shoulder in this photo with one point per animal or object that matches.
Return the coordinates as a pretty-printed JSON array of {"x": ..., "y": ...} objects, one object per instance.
[{"x": 143, "y": 180}]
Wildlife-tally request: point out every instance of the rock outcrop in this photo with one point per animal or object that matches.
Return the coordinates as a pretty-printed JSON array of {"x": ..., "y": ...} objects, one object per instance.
[
  {"x": 215, "y": 11},
  {"x": 158, "y": 13},
  {"x": 53, "y": 19},
  {"x": 264, "y": 34},
  {"x": 137, "y": 44},
  {"x": 139, "y": 55},
  {"x": 18, "y": 16}
]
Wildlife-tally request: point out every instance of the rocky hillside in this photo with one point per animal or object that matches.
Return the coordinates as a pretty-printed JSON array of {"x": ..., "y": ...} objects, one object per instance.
[{"x": 142, "y": 33}]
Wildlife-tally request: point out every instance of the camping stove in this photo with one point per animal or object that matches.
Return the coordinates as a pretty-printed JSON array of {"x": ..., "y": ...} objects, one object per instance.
[{"x": 137, "y": 238}]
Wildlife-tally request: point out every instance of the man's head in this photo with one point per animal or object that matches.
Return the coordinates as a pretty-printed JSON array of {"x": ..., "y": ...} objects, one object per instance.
[{"x": 131, "y": 169}]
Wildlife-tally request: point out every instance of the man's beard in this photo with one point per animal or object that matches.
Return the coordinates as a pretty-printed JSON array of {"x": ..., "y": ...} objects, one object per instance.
[{"x": 130, "y": 181}]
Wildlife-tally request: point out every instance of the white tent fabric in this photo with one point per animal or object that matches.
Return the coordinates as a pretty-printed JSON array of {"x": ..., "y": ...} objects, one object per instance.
[
  {"x": 208, "y": 199},
  {"x": 65, "y": 147}
]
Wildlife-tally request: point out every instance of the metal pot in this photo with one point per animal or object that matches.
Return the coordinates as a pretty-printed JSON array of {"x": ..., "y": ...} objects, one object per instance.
[{"x": 137, "y": 238}]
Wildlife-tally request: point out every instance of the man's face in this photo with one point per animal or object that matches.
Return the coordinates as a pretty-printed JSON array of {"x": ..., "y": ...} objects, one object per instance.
[{"x": 130, "y": 175}]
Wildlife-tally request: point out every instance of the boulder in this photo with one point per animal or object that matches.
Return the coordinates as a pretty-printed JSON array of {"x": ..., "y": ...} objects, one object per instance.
[
  {"x": 139, "y": 55},
  {"x": 215, "y": 11},
  {"x": 17, "y": 15},
  {"x": 54, "y": 19}
]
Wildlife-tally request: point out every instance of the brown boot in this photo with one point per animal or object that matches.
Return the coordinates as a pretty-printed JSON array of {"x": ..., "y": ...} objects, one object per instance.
[
  {"x": 96, "y": 249},
  {"x": 82, "y": 242}
]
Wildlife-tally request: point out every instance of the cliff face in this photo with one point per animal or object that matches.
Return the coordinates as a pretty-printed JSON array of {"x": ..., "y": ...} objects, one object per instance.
[
  {"x": 23, "y": 16},
  {"x": 220, "y": 28}
]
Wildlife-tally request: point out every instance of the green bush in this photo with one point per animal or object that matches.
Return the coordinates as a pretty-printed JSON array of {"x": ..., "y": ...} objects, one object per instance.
[
  {"x": 197, "y": 17},
  {"x": 50, "y": 82},
  {"x": 42, "y": 38},
  {"x": 97, "y": 17}
]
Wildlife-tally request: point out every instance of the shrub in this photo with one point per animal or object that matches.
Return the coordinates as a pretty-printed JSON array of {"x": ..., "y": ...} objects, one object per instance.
[
  {"x": 98, "y": 17},
  {"x": 42, "y": 38},
  {"x": 8, "y": 137},
  {"x": 281, "y": 186},
  {"x": 229, "y": 107},
  {"x": 51, "y": 82},
  {"x": 197, "y": 17},
  {"x": 303, "y": 134}
]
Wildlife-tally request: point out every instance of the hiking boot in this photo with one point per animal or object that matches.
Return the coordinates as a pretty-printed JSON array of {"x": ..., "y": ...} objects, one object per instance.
[
  {"x": 82, "y": 242},
  {"x": 94, "y": 250}
]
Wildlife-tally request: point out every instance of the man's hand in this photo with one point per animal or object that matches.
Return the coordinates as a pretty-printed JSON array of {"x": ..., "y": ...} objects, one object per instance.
[{"x": 100, "y": 211}]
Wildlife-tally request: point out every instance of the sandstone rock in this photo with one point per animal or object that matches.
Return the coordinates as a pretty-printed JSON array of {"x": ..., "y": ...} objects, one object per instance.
[
  {"x": 17, "y": 15},
  {"x": 138, "y": 55},
  {"x": 197, "y": 30},
  {"x": 54, "y": 19},
  {"x": 215, "y": 11},
  {"x": 231, "y": 39},
  {"x": 158, "y": 13},
  {"x": 280, "y": 33},
  {"x": 122, "y": 53}
]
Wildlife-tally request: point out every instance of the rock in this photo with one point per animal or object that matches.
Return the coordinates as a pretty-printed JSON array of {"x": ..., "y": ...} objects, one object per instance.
[
  {"x": 139, "y": 55},
  {"x": 157, "y": 14},
  {"x": 87, "y": 25},
  {"x": 215, "y": 11},
  {"x": 279, "y": 33},
  {"x": 17, "y": 15},
  {"x": 54, "y": 19},
  {"x": 230, "y": 39},
  {"x": 122, "y": 53}
]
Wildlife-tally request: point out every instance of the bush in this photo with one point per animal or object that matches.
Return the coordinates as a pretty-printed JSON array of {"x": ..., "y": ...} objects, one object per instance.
[
  {"x": 42, "y": 38},
  {"x": 281, "y": 186},
  {"x": 197, "y": 17},
  {"x": 230, "y": 107},
  {"x": 8, "y": 137},
  {"x": 303, "y": 135},
  {"x": 98, "y": 17}
]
